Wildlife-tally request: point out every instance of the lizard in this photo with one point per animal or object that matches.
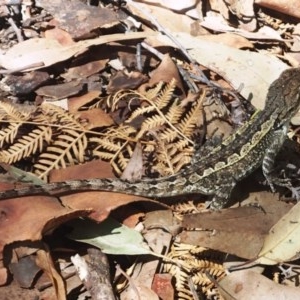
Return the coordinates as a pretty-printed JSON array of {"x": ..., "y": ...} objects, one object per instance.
[{"x": 255, "y": 144}]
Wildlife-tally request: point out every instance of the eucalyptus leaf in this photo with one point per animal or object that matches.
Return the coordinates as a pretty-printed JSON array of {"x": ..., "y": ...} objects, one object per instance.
[
  {"x": 110, "y": 236},
  {"x": 282, "y": 244},
  {"x": 24, "y": 176}
]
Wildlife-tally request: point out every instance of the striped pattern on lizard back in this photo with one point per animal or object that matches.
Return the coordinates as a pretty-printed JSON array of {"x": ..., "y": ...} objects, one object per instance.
[{"x": 255, "y": 144}]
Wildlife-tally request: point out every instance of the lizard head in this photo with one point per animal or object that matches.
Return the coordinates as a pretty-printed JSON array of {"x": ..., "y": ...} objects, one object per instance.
[{"x": 284, "y": 95}]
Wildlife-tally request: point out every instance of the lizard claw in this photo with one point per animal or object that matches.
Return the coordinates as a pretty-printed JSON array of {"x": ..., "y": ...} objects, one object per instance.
[{"x": 295, "y": 192}]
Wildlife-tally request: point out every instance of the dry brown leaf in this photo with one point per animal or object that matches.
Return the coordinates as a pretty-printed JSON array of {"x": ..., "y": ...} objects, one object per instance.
[
  {"x": 249, "y": 285},
  {"x": 101, "y": 203},
  {"x": 3, "y": 276},
  {"x": 27, "y": 218},
  {"x": 221, "y": 7},
  {"x": 224, "y": 230},
  {"x": 143, "y": 292},
  {"x": 81, "y": 23},
  {"x": 162, "y": 285},
  {"x": 121, "y": 80},
  {"x": 14, "y": 291},
  {"x": 282, "y": 244},
  {"x": 74, "y": 103},
  {"x": 59, "y": 35},
  {"x": 174, "y": 22},
  {"x": 93, "y": 169},
  {"x": 229, "y": 39},
  {"x": 60, "y": 91},
  {"x": 38, "y": 53},
  {"x": 24, "y": 269},
  {"x": 96, "y": 117},
  {"x": 250, "y": 70},
  {"x": 134, "y": 168},
  {"x": 87, "y": 69},
  {"x": 45, "y": 262},
  {"x": 165, "y": 72},
  {"x": 158, "y": 239},
  {"x": 172, "y": 5},
  {"x": 22, "y": 84},
  {"x": 288, "y": 7}
]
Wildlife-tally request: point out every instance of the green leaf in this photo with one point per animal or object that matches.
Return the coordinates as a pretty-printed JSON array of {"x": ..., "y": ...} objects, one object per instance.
[
  {"x": 110, "y": 236},
  {"x": 24, "y": 176}
]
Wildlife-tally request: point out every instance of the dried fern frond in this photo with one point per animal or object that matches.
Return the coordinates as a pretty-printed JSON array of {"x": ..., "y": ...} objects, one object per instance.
[
  {"x": 187, "y": 125},
  {"x": 169, "y": 135},
  {"x": 118, "y": 155},
  {"x": 157, "y": 121},
  {"x": 163, "y": 98},
  {"x": 152, "y": 93},
  {"x": 151, "y": 123},
  {"x": 9, "y": 112},
  {"x": 157, "y": 116},
  {"x": 160, "y": 119},
  {"x": 11, "y": 120},
  {"x": 9, "y": 133},
  {"x": 67, "y": 149},
  {"x": 175, "y": 113},
  {"x": 187, "y": 266},
  {"x": 51, "y": 136},
  {"x": 181, "y": 209},
  {"x": 180, "y": 249},
  {"x": 180, "y": 161},
  {"x": 27, "y": 145},
  {"x": 164, "y": 165},
  {"x": 141, "y": 111},
  {"x": 53, "y": 114},
  {"x": 106, "y": 144}
]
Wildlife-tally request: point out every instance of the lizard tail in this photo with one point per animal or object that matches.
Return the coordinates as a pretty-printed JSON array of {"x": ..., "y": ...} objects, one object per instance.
[{"x": 145, "y": 188}]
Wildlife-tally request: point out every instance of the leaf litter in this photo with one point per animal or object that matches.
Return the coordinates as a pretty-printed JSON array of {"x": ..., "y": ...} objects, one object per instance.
[{"x": 103, "y": 101}]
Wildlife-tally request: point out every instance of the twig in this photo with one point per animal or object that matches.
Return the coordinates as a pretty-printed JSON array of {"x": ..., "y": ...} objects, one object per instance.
[{"x": 16, "y": 29}]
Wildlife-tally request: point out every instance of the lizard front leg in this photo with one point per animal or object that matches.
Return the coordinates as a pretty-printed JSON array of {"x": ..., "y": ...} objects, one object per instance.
[
  {"x": 222, "y": 195},
  {"x": 278, "y": 139}
]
